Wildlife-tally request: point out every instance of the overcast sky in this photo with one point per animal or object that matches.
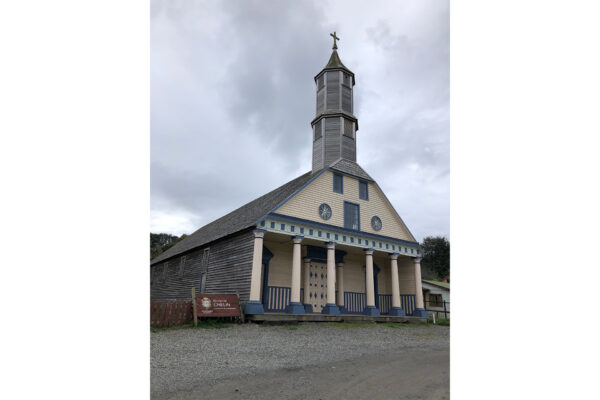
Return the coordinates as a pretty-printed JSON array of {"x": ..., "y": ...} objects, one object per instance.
[{"x": 232, "y": 97}]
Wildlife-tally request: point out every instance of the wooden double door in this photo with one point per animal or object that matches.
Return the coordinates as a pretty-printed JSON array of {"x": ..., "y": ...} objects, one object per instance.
[{"x": 317, "y": 285}]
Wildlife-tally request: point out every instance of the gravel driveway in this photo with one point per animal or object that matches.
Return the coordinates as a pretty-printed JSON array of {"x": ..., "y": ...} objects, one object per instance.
[{"x": 309, "y": 360}]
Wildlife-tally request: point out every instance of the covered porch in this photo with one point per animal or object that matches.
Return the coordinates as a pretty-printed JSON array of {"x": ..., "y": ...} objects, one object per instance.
[{"x": 327, "y": 275}]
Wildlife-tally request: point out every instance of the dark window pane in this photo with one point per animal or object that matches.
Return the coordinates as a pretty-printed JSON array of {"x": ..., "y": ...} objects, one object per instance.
[
  {"x": 351, "y": 217},
  {"x": 338, "y": 183},
  {"x": 363, "y": 190}
]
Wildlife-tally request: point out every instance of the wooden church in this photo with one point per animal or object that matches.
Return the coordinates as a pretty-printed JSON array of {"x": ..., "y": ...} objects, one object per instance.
[{"x": 328, "y": 241}]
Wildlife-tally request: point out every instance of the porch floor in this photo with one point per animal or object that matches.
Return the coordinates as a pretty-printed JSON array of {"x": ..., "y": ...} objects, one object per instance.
[{"x": 317, "y": 317}]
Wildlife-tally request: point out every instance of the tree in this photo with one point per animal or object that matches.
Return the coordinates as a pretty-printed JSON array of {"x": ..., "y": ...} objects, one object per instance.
[
  {"x": 161, "y": 242},
  {"x": 436, "y": 255}
]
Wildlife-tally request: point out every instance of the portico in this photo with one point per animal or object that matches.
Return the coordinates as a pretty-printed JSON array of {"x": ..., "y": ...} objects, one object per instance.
[{"x": 303, "y": 275}]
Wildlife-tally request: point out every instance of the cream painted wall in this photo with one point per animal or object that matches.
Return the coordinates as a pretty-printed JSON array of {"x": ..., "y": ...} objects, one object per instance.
[
  {"x": 354, "y": 273},
  {"x": 406, "y": 275},
  {"x": 280, "y": 266},
  {"x": 305, "y": 205}
]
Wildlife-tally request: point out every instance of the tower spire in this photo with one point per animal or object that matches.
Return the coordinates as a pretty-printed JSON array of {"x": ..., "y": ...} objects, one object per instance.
[{"x": 334, "y": 125}]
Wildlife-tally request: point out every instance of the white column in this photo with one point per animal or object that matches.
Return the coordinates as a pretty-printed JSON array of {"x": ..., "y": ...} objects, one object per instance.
[
  {"x": 395, "y": 281},
  {"x": 339, "y": 279},
  {"x": 370, "y": 285},
  {"x": 419, "y": 304},
  {"x": 295, "y": 307},
  {"x": 307, "y": 302},
  {"x": 330, "y": 307},
  {"x": 254, "y": 305},
  {"x": 396, "y": 309},
  {"x": 296, "y": 273}
]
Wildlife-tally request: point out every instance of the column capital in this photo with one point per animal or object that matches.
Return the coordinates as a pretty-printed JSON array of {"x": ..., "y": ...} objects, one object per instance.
[
  {"x": 394, "y": 256},
  {"x": 417, "y": 260},
  {"x": 297, "y": 239},
  {"x": 259, "y": 233},
  {"x": 369, "y": 251},
  {"x": 306, "y": 259},
  {"x": 331, "y": 245},
  {"x": 339, "y": 264}
]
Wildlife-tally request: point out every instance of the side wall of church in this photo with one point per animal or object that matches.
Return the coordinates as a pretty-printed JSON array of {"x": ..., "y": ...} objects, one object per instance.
[{"x": 227, "y": 264}]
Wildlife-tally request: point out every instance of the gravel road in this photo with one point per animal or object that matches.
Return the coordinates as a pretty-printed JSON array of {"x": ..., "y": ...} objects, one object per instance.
[{"x": 310, "y": 360}]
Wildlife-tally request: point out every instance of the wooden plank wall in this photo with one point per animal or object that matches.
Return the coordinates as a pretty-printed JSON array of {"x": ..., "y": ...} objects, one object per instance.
[{"x": 228, "y": 270}]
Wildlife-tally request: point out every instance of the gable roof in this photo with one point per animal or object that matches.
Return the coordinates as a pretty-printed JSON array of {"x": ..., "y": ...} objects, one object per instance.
[
  {"x": 237, "y": 220},
  {"x": 443, "y": 285}
]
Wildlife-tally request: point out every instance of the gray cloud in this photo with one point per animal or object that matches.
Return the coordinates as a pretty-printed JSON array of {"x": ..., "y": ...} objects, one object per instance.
[{"x": 232, "y": 97}]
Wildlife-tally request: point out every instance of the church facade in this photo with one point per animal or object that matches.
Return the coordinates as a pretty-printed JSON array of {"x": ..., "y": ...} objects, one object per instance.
[{"x": 326, "y": 242}]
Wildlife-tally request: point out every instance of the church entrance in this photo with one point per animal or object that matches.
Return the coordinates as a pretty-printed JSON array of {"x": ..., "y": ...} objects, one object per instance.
[{"x": 317, "y": 286}]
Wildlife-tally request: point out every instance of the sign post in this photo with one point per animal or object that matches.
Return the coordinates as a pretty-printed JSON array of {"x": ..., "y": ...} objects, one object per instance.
[{"x": 194, "y": 306}]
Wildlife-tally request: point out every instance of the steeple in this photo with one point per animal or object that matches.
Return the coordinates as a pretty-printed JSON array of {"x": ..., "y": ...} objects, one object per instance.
[{"x": 334, "y": 126}]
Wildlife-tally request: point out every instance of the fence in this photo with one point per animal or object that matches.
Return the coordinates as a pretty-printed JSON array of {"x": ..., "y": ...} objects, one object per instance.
[
  {"x": 170, "y": 313},
  {"x": 278, "y": 297},
  {"x": 441, "y": 309}
]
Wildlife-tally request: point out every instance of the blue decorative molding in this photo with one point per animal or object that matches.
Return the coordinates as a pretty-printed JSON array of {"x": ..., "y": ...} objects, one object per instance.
[
  {"x": 420, "y": 312},
  {"x": 342, "y": 230},
  {"x": 331, "y": 309},
  {"x": 253, "y": 307}
]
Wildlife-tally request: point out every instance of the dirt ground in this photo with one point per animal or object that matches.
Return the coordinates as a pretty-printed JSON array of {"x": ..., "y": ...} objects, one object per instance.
[{"x": 409, "y": 370}]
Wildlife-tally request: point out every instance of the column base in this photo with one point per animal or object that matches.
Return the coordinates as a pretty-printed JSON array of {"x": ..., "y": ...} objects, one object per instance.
[
  {"x": 308, "y": 308},
  {"x": 371, "y": 311},
  {"x": 254, "y": 307},
  {"x": 397, "y": 312},
  {"x": 342, "y": 309},
  {"x": 420, "y": 312},
  {"x": 294, "y": 308},
  {"x": 331, "y": 309}
]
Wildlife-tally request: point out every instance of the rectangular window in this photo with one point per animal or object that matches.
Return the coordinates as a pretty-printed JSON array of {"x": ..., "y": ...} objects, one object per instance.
[
  {"x": 435, "y": 300},
  {"x": 338, "y": 183},
  {"x": 301, "y": 230},
  {"x": 363, "y": 190},
  {"x": 351, "y": 216},
  {"x": 272, "y": 225}
]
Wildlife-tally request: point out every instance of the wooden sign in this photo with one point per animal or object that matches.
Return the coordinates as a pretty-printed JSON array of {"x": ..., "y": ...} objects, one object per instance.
[{"x": 217, "y": 305}]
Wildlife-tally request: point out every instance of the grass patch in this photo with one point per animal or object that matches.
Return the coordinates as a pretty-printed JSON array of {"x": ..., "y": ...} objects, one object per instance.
[
  {"x": 443, "y": 322},
  {"x": 351, "y": 325}
]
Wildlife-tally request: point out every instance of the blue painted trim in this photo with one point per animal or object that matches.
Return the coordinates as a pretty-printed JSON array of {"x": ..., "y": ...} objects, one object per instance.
[
  {"x": 331, "y": 309},
  {"x": 254, "y": 307},
  {"x": 301, "y": 230},
  {"x": 335, "y": 175},
  {"x": 259, "y": 231},
  {"x": 266, "y": 258},
  {"x": 333, "y": 243},
  {"x": 355, "y": 204},
  {"x": 369, "y": 249},
  {"x": 292, "y": 228},
  {"x": 397, "y": 312},
  {"x": 340, "y": 229},
  {"x": 272, "y": 225},
  {"x": 298, "y": 237},
  {"x": 295, "y": 308},
  {"x": 371, "y": 311},
  {"x": 308, "y": 308},
  {"x": 420, "y": 312}
]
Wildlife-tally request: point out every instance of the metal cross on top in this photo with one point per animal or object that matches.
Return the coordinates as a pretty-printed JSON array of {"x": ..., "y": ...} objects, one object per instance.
[{"x": 334, "y": 39}]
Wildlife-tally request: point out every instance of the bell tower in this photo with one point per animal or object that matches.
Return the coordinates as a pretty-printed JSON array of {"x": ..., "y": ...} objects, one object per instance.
[{"x": 334, "y": 126}]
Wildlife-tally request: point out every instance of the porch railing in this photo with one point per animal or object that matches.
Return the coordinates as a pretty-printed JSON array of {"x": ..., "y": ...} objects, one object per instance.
[{"x": 278, "y": 298}]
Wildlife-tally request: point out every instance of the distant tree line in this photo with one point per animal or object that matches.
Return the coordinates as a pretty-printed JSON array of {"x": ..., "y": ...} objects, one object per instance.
[
  {"x": 161, "y": 242},
  {"x": 436, "y": 258}
]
